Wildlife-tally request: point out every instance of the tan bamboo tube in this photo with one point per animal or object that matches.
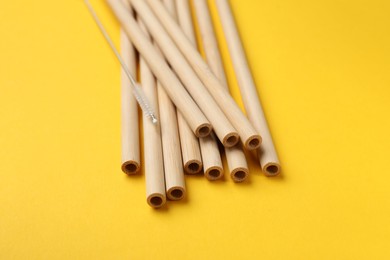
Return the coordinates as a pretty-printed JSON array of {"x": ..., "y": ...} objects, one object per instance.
[
  {"x": 222, "y": 127},
  {"x": 156, "y": 18},
  {"x": 129, "y": 115},
  {"x": 153, "y": 153},
  {"x": 267, "y": 153},
  {"x": 185, "y": 19},
  {"x": 192, "y": 159},
  {"x": 189, "y": 143},
  {"x": 190, "y": 149},
  {"x": 237, "y": 163},
  {"x": 173, "y": 164},
  {"x": 175, "y": 90},
  {"x": 212, "y": 163},
  {"x": 235, "y": 156}
]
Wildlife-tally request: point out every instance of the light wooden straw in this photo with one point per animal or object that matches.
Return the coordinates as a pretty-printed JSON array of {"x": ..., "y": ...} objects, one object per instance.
[
  {"x": 192, "y": 159},
  {"x": 173, "y": 87},
  {"x": 153, "y": 153},
  {"x": 235, "y": 156},
  {"x": 129, "y": 115},
  {"x": 222, "y": 127},
  {"x": 267, "y": 153},
  {"x": 212, "y": 163},
  {"x": 156, "y": 18},
  {"x": 173, "y": 164}
]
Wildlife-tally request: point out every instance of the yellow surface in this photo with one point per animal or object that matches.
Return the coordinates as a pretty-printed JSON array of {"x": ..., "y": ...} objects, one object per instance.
[{"x": 322, "y": 69}]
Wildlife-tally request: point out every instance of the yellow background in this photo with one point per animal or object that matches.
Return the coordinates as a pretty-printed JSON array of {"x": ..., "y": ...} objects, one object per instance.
[{"x": 322, "y": 70}]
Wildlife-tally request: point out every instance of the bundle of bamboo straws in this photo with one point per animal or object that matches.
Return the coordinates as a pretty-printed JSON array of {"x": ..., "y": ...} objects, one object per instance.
[{"x": 190, "y": 98}]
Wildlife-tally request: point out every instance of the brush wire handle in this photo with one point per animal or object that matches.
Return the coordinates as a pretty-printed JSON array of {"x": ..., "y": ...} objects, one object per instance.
[{"x": 137, "y": 90}]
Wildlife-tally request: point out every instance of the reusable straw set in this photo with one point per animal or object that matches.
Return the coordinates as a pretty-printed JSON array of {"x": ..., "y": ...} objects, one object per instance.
[{"x": 185, "y": 98}]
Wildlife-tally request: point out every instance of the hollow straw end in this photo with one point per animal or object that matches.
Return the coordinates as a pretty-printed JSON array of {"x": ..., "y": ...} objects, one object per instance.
[
  {"x": 130, "y": 167},
  {"x": 214, "y": 173},
  {"x": 253, "y": 142},
  {"x": 193, "y": 166},
  {"x": 271, "y": 169},
  {"x": 203, "y": 130},
  {"x": 176, "y": 193},
  {"x": 239, "y": 174},
  {"x": 156, "y": 200},
  {"x": 231, "y": 139}
]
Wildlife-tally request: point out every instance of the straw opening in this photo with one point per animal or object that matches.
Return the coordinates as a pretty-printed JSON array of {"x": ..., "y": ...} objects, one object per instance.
[
  {"x": 239, "y": 176},
  {"x": 130, "y": 167},
  {"x": 272, "y": 169},
  {"x": 203, "y": 131},
  {"x": 214, "y": 173},
  {"x": 231, "y": 140},
  {"x": 193, "y": 167},
  {"x": 176, "y": 194},
  {"x": 156, "y": 201},
  {"x": 254, "y": 143}
]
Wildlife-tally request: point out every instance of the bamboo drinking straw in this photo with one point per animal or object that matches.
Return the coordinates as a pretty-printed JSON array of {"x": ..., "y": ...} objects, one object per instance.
[
  {"x": 173, "y": 164},
  {"x": 192, "y": 159},
  {"x": 130, "y": 128},
  {"x": 153, "y": 154},
  {"x": 235, "y": 156},
  {"x": 222, "y": 127},
  {"x": 185, "y": 20},
  {"x": 130, "y": 132},
  {"x": 212, "y": 163},
  {"x": 267, "y": 153},
  {"x": 175, "y": 90},
  {"x": 152, "y": 19}
]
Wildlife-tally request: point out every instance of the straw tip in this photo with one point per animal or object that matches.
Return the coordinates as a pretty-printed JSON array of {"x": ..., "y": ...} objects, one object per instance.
[
  {"x": 271, "y": 169},
  {"x": 239, "y": 174},
  {"x": 156, "y": 200},
  {"x": 214, "y": 173}
]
